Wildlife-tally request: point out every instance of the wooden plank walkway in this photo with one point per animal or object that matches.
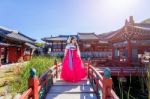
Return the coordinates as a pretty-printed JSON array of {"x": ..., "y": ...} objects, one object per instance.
[{"x": 66, "y": 90}]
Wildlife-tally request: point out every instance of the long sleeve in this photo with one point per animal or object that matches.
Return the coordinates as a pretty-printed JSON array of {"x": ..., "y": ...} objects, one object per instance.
[{"x": 78, "y": 51}]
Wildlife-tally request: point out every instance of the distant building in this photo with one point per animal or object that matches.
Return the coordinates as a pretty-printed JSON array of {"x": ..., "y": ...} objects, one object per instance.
[
  {"x": 123, "y": 47},
  {"x": 15, "y": 46}
]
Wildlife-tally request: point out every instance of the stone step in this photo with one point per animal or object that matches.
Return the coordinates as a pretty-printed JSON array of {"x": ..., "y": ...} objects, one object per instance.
[
  {"x": 71, "y": 96},
  {"x": 70, "y": 88},
  {"x": 61, "y": 82}
]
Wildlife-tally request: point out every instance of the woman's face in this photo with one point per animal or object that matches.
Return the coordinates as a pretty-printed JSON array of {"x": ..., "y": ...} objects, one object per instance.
[{"x": 74, "y": 41}]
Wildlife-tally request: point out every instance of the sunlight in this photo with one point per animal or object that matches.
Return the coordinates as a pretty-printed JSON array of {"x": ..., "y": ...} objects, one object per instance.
[
  {"x": 114, "y": 8},
  {"x": 121, "y": 3}
]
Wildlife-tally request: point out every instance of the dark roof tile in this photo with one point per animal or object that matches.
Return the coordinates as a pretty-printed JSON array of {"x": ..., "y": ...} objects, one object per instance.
[
  {"x": 87, "y": 36},
  {"x": 15, "y": 35}
]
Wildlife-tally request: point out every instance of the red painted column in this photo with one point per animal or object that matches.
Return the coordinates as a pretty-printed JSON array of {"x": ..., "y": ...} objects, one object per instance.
[
  {"x": 12, "y": 56},
  {"x": 129, "y": 47},
  {"x": 119, "y": 57},
  {"x": 8, "y": 55},
  {"x": 113, "y": 55}
]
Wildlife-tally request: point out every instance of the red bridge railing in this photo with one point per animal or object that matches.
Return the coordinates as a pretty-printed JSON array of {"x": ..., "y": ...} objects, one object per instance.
[
  {"x": 102, "y": 85},
  {"x": 38, "y": 87}
]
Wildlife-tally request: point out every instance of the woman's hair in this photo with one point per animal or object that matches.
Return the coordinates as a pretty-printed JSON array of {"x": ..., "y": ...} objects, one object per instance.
[{"x": 70, "y": 40}]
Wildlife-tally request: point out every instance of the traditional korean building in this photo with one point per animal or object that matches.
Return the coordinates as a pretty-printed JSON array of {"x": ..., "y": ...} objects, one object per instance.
[
  {"x": 15, "y": 46},
  {"x": 123, "y": 47},
  {"x": 130, "y": 43},
  {"x": 89, "y": 43},
  {"x": 56, "y": 45}
]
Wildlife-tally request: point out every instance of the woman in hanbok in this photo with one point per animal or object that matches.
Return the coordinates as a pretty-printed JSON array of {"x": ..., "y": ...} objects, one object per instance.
[{"x": 72, "y": 65}]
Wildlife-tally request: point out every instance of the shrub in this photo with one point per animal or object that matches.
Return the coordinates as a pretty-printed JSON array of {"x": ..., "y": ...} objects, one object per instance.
[{"x": 40, "y": 63}]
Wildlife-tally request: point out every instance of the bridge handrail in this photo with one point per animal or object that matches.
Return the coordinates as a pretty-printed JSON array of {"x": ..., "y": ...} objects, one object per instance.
[
  {"x": 26, "y": 93},
  {"x": 112, "y": 93},
  {"x": 101, "y": 82},
  {"x": 38, "y": 87}
]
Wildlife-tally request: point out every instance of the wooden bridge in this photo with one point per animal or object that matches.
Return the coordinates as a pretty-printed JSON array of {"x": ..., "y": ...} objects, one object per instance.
[{"x": 50, "y": 86}]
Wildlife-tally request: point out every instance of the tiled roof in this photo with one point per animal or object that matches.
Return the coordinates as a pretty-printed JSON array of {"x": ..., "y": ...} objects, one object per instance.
[
  {"x": 55, "y": 39},
  {"x": 106, "y": 36},
  {"x": 30, "y": 45},
  {"x": 143, "y": 25},
  {"x": 66, "y": 35},
  {"x": 15, "y": 35},
  {"x": 87, "y": 36},
  {"x": 58, "y": 38}
]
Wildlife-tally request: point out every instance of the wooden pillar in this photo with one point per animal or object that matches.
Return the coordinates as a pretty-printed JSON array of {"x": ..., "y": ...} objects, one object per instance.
[
  {"x": 119, "y": 57},
  {"x": 52, "y": 46},
  {"x": 7, "y": 54},
  {"x": 129, "y": 47},
  {"x": 113, "y": 55},
  {"x": 21, "y": 54},
  {"x": 62, "y": 46},
  {"x": 57, "y": 47},
  {"x": 11, "y": 55}
]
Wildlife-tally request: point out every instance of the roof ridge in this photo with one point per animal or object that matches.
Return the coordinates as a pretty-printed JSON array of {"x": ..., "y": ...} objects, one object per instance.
[
  {"x": 86, "y": 33},
  {"x": 7, "y": 29}
]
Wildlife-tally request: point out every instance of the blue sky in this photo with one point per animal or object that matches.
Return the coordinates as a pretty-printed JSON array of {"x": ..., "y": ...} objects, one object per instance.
[{"x": 43, "y": 18}]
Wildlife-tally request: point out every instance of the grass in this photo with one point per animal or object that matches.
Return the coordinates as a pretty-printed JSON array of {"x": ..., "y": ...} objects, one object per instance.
[{"x": 40, "y": 63}]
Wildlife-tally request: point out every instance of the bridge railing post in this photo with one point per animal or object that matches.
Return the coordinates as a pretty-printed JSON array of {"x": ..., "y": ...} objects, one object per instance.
[
  {"x": 56, "y": 64},
  {"x": 88, "y": 66},
  {"x": 33, "y": 83},
  {"x": 107, "y": 83}
]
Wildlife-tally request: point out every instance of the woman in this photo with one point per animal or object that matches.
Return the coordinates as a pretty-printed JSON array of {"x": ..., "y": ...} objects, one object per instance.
[{"x": 72, "y": 66}]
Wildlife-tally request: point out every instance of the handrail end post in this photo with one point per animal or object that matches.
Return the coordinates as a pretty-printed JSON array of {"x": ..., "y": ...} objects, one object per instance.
[
  {"x": 107, "y": 83},
  {"x": 33, "y": 83}
]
